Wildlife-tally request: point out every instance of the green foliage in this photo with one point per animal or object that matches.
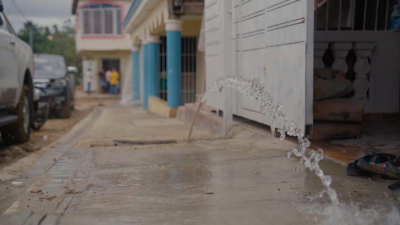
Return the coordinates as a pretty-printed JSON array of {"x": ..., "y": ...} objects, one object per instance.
[{"x": 55, "y": 41}]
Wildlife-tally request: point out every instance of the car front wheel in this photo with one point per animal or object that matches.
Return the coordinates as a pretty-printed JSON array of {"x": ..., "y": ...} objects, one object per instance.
[
  {"x": 65, "y": 111},
  {"x": 19, "y": 131},
  {"x": 72, "y": 103}
]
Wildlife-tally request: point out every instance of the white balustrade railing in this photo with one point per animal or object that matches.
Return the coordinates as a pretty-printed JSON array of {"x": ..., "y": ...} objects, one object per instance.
[{"x": 362, "y": 67}]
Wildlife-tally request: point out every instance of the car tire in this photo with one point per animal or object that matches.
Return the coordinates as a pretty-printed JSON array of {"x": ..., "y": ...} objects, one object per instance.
[
  {"x": 72, "y": 103},
  {"x": 65, "y": 111},
  {"x": 36, "y": 125},
  {"x": 19, "y": 131}
]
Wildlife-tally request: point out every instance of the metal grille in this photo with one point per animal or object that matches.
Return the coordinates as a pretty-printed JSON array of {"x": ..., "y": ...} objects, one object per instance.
[
  {"x": 189, "y": 69},
  {"x": 86, "y": 22},
  {"x": 163, "y": 68},
  {"x": 353, "y": 15},
  {"x": 109, "y": 21}
]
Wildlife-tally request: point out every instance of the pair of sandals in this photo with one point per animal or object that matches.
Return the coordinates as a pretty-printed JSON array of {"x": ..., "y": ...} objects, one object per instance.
[{"x": 386, "y": 165}]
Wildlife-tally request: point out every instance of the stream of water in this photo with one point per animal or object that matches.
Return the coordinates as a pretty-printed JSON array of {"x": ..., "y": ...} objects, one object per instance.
[{"x": 334, "y": 213}]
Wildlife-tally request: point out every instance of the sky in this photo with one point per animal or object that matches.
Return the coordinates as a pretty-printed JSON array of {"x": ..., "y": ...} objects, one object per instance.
[{"x": 41, "y": 12}]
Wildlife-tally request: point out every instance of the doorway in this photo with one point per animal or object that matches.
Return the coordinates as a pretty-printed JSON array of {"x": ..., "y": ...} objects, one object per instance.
[{"x": 109, "y": 64}]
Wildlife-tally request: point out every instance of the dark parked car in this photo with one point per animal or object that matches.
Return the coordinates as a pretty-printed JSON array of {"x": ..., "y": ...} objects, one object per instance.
[{"x": 51, "y": 72}]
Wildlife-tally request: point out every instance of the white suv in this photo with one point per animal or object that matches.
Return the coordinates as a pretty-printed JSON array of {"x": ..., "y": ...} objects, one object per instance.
[{"x": 16, "y": 95}]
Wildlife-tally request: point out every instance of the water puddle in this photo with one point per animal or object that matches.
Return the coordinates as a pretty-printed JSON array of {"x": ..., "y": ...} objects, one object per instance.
[{"x": 335, "y": 212}]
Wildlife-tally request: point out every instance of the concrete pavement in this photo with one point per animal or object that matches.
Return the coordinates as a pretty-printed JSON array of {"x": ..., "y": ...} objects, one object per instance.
[{"x": 240, "y": 180}]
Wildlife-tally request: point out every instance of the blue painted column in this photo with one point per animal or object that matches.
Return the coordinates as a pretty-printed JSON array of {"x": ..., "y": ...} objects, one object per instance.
[
  {"x": 153, "y": 65},
  {"x": 145, "y": 77},
  {"x": 135, "y": 73},
  {"x": 174, "y": 62}
]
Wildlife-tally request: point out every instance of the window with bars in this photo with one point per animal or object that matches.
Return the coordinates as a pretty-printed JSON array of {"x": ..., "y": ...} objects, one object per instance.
[{"x": 101, "y": 19}]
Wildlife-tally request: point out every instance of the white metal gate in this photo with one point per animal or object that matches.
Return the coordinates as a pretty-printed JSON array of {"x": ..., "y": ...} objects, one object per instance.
[
  {"x": 189, "y": 69},
  {"x": 271, "y": 39}
]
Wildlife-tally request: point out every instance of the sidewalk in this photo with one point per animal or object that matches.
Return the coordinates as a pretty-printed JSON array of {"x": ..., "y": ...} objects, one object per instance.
[
  {"x": 133, "y": 124},
  {"x": 241, "y": 180},
  {"x": 80, "y": 94}
]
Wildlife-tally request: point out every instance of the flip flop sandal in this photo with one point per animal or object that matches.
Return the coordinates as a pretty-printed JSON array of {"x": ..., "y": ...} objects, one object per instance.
[
  {"x": 353, "y": 170},
  {"x": 394, "y": 186},
  {"x": 380, "y": 164},
  {"x": 370, "y": 155}
]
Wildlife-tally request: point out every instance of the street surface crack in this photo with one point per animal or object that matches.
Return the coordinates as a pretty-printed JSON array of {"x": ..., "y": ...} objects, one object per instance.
[
  {"x": 127, "y": 142},
  {"x": 42, "y": 219}
]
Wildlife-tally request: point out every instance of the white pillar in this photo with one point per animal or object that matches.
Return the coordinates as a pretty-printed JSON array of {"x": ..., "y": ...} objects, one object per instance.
[
  {"x": 227, "y": 66},
  {"x": 340, "y": 51},
  {"x": 135, "y": 73},
  {"x": 319, "y": 51},
  {"x": 362, "y": 69}
]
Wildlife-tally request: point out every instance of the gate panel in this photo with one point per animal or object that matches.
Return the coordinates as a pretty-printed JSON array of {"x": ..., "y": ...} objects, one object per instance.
[
  {"x": 214, "y": 28},
  {"x": 271, "y": 39},
  {"x": 289, "y": 59},
  {"x": 249, "y": 43},
  {"x": 274, "y": 41}
]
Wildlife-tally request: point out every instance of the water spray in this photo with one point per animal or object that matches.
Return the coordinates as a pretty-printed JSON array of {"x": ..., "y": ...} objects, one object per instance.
[
  {"x": 255, "y": 90},
  {"x": 194, "y": 120}
]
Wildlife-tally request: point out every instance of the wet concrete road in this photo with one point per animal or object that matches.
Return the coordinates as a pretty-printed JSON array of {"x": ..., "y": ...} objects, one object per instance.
[{"x": 241, "y": 180}]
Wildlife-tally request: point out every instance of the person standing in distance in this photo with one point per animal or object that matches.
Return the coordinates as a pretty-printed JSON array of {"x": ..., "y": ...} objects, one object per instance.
[{"x": 114, "y": 77}]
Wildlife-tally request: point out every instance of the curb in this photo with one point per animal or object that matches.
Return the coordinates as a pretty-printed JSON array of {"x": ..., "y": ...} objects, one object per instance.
[{"x": 50, "y": 158}]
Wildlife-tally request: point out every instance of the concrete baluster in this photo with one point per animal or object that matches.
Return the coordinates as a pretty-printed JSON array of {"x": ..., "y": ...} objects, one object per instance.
[
  {"x": 340, "y": 51},
  {"x": 362, "y": 68},
  {"x": 319, "y": 51}
]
